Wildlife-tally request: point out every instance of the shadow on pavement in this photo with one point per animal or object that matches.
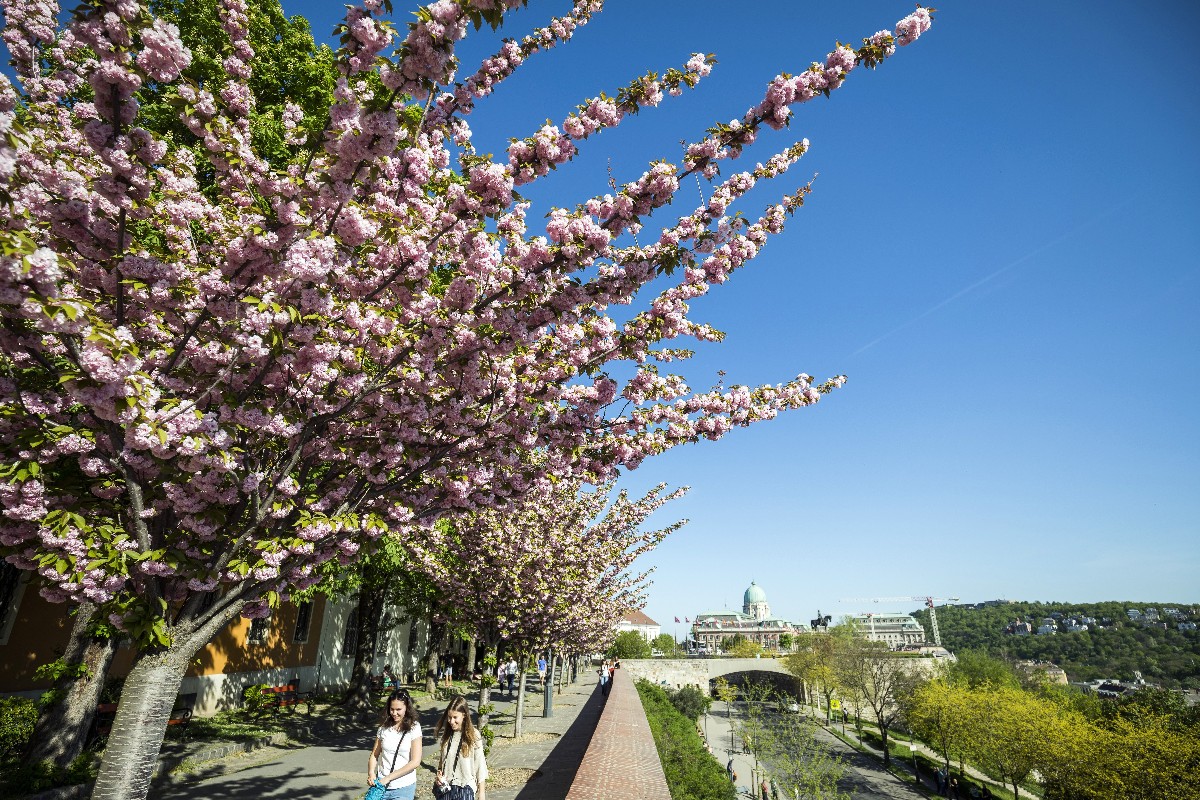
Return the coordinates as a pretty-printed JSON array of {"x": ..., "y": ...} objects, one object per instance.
[{"x": 561, "y": 765}]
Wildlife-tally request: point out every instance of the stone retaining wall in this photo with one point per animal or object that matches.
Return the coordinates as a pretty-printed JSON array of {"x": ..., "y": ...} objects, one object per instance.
[{"x": 621, "y": 761}]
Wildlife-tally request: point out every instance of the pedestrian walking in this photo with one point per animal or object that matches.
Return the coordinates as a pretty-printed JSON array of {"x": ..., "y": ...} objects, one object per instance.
[
  {"x": 449, "y": 674},
  {"x": 729, "y": 768},
  {"x": 396, "y": 755},
  {"x": 542, "y": 671},
  {"x": 764, "y": 790},
  {"x": 512, "y": 671},
  {"x": 462, "y": 769}
]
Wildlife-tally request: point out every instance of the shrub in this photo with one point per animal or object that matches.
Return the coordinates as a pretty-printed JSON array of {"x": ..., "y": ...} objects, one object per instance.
[
  {"x": 690, "y": 701},
  {"x": 257, "y": 699},
  {"x": 692, "y": 772},
  {"x": 17, "y": 718}
]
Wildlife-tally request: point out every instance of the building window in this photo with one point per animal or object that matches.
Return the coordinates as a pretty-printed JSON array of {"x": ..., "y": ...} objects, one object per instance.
[
  {"x": 259, "y": 628},
  {"x": 12, "y": 586},
  {"x": 303, "y": 621},
  {"x": 414, "y": 636},
  {"x": 350, "y": 637}
]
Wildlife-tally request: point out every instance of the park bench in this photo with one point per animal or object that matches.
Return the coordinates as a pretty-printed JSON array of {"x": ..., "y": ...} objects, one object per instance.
[
  {"x": 287, "y": 695},
  {"x": 181, "y": 715}
]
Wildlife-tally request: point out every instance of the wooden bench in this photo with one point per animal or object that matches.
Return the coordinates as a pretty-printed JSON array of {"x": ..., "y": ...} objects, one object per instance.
[
  {"x": 181, "y": 715},
  {"x": 287, "y": 695}
]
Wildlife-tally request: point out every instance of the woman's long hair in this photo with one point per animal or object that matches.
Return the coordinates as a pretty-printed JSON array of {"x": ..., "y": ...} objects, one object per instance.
[
  {"x": 410, "y": 711},
  {"x": 445, "y": 732}
]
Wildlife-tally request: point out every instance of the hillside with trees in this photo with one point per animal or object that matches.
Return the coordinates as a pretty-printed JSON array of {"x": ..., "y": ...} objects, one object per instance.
[{"x": 1113, "y": 647}]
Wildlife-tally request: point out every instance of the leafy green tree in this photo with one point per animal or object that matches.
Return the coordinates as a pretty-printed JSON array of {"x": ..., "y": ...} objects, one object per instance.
[
  {"x": 690, "y": 701},
  {"x": 815, "y": 659},
  {"x": 975, "y": 668},
  {"x": 1014, "y": 732},
  {"x": 741, "y": 647},
  {"x": 629, "y": 644},
  {"x": 288, "y": 67},
  {"x": 938, "y": 711},
  {"x": 786, "y": 640},
  {"x": 877, "y": 678},
  {"x": 665, "y": 644}
]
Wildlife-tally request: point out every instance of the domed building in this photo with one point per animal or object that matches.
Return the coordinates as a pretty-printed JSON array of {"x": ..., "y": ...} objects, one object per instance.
[
  {"x": 754, "y": 622},
  {"x": 754, "y": 602}
]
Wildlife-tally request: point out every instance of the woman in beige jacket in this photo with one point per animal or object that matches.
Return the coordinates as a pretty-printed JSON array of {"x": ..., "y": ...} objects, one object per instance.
[{"x": 462, "y": 769}]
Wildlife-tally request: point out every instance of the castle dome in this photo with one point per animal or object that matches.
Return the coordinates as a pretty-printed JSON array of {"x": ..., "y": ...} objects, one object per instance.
[{"x": 754, "y": 594}]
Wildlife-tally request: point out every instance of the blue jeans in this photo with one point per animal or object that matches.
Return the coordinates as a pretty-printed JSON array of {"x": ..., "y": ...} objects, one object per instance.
[{"x": 401, "y": 793}]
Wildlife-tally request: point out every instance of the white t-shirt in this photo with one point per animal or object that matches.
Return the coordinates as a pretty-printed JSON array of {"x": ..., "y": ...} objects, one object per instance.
[{"x": 389, "y": 739}]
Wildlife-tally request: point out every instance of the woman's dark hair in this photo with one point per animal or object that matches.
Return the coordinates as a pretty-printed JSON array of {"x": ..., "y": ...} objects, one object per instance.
[
  {"x": 410, "y": 711},
  {"x": 445, "y": 732}
]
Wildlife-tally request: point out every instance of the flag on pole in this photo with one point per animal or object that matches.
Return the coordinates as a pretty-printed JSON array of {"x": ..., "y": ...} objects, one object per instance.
[
  {"x": 685, "y": 619},
  {"x": 677, "y": 619}
]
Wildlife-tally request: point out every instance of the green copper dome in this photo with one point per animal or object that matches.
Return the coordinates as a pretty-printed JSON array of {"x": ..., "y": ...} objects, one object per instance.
[{"x": 754, "y": 594}]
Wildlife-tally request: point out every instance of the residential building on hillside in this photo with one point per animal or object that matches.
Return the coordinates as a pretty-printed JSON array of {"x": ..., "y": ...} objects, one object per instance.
[
  {"x": 638, "y": 621},
  {"x": 1053, "y": 672}
]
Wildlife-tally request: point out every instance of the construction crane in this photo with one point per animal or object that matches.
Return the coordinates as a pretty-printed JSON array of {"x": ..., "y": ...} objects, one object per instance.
[{"x": 926, "y": 599}]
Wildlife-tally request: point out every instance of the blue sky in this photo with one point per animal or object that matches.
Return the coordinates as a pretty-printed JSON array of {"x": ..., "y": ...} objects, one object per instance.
[{"x": 1000, "y": 253}]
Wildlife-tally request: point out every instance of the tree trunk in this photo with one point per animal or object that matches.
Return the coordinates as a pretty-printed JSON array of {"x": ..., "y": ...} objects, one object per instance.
[
  {"x": 62, "y": 727},
  {"x": 145, "y": 708},
  {"x": 370, "y": 606},
  {"x": 887, "y": 754},
  {"x": 485, "y": 681},
  {"x": 471, "y": 653},
  {"x": 519, "y": 712},
  {"x": 432, "y": 653}
]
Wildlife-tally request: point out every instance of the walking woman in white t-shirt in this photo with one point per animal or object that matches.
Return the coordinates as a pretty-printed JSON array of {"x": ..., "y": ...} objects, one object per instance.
[{"x": 397, "y": 751}]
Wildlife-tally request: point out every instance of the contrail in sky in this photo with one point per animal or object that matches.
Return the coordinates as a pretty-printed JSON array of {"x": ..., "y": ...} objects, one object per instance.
[{"x": 988, "y": 278}]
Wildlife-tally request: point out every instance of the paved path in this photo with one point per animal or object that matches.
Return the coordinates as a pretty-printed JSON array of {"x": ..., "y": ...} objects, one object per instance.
[
  {"x": 335, "y": 767},
  {"x": 865, "y": 776}
]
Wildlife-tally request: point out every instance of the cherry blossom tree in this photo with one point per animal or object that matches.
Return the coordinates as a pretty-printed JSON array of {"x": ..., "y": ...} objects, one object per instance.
[
  {"x": 550, "y": 571},
  {"x": 206, "y": 394}
]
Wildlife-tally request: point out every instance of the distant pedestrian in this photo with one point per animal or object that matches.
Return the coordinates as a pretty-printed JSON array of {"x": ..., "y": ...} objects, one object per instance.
[
  {"x": 953, "y": 789},
  {"x": 462, "y": 768},
  {"x": 774, "y": 790},
  {"x": 729, "y": 769},
  {"x": 449, "y": 675},
  {"x": 512, "y": 671},
  {"x": 500, "y": 675},
  {"x": 397, "y": 752},
  {"x": 764, "y": 790},
  {"x": 541, "y": 664}
]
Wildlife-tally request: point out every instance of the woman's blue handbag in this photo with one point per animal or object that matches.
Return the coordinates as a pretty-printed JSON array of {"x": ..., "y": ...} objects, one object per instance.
[{"x": 376, "y": 791}]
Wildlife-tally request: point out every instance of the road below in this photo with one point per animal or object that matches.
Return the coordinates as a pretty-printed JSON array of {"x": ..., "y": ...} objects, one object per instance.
[{"x": 864, "y": 778}]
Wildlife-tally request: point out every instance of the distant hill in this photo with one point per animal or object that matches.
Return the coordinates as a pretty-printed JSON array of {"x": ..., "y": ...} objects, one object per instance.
[{"x": 1113, "y": 646}]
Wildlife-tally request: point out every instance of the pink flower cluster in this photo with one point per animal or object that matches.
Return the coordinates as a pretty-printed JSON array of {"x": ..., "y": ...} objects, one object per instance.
[{"x": 909, "y": 29}]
